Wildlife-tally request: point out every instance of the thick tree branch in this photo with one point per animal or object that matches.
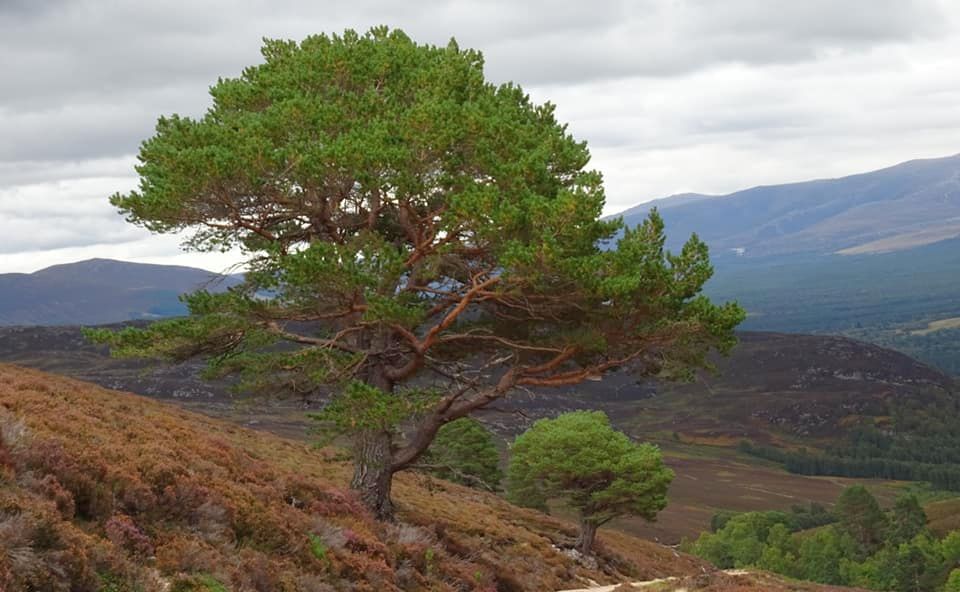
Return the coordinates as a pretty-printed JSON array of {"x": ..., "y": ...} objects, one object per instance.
[
  {"x": 335, "y": 343},
  {"x": 457, "y": 310},
  {"x": 450, "y": 408}
]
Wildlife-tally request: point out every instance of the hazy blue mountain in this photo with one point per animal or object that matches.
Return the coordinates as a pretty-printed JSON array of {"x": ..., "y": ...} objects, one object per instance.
[
  {"x": 100, "y": 291},
  {"x": 896, "y": 208},
  {"x": 874, "y": 256}
]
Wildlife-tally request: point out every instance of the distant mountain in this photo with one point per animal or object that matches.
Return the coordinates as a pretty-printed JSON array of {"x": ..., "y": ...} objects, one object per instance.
[
  {"x": 900, "y": 207},
  {"x": 100, "y": 291},
  {"x": 874, "y": 256}
]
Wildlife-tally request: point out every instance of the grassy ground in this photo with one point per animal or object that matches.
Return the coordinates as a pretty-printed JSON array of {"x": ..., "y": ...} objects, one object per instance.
[
  {"x": 785, "y": 390},
  {"x": 944, "y": 515}
]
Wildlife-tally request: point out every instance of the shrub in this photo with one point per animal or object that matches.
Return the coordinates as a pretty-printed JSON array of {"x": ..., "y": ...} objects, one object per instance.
[
  {"x": 123, "y": 533},
  {"x": 465, "y": 452},
  {"x": 597, "y": 470}
]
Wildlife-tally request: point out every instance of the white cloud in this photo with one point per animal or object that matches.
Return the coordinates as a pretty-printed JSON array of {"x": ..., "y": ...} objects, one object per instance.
[
  {"x": 155, "y": 249},
  {"x": 43, "y": 224}
]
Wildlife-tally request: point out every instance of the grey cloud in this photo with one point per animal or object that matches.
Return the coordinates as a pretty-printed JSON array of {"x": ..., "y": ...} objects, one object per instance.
[
  {"x": 89, "y": 78},
  {"x": 673, "y": 95},
  {"x": 74, "y": 132},
  {"x": 29, "y": 8},
  {"x": 814, "y": 21},
  {"x": 102, "y": 47},
  {"x": 20, "y": 234},
  {"x": 14, "y": 174},
  {"x": 90, "y": 51}
]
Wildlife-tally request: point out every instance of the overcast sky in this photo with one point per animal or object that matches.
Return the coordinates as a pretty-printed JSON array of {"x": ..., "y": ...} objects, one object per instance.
[{"x": 708, "y": 96}]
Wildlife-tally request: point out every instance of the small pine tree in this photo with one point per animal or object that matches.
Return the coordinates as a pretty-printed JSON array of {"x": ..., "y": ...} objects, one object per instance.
[
  {"x": 918, "y": 565},
  {"x": 860, "y": 516},
  {"x": 822, "y": 554},
  {"x": 876, "y": 572},
  {"x": 906, "y": 521},
  {"x": 465, "y": 452},
  {"x": 597, "y": 470},
  {"x": 950, "y": 548}
]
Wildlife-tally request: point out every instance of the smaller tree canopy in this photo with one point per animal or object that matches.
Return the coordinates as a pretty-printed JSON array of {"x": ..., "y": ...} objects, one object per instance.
[
  {"x": 464, "y": 451},
  {"x": 953, "y": 582},
  {"x": 741, "y": 539},
  {"x": 597, "y": 470},
  {"x": 860, "y": 516},
  {"x": 822, "y": 554},
  {"x": 951, "y": 548},
  {"x": 907, "y": 520}
]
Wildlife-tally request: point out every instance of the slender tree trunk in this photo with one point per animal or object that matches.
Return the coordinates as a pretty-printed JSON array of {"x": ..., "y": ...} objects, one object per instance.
[
  {"x": 373, "y": 472},
  {"x": 588, "y": 534}
]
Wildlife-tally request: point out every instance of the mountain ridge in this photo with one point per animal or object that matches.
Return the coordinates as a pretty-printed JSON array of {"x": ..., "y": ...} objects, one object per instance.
[
  {"x": 820, "y": 215},
  {"x": 97, "y": 291}
]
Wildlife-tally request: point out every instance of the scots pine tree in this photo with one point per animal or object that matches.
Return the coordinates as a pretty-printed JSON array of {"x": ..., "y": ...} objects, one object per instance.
[
  {"x": 418, "y": 243},
  {"x": 596, "y": 470},
  {"x": 860, "y": 516}
]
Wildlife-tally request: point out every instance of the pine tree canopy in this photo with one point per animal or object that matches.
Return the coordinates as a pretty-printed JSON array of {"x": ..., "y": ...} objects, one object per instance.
[{"x": 404, "y": 223}]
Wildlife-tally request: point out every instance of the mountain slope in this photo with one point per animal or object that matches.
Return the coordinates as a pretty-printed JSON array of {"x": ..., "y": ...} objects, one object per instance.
[
  {"x": 773, "y": 388},
  {"x": 776, "y": 388},
  {"x": 766, "y": 375},
  {"x": 874, "y": 256},
  {"x": 100, "y": 291},
  {"x": 917, "y": 202},
  {"x": 106, "y": 490}
]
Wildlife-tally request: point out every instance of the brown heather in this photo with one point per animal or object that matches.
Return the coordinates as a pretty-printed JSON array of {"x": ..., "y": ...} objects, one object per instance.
[
  {"x": 107, "y": 491},
  {"x": 101, "y": 490}
]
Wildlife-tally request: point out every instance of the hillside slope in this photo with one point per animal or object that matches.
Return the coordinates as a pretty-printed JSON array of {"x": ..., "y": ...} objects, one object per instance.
[
  {"x": 102, "y": 490},
  {"x": 100, "y": 291},
  {"x": 774, "y": 385},
  {"x": 98, "y": 486},
  {"x": 903, "y": 206},
  {"x": 774, "y": 388}
]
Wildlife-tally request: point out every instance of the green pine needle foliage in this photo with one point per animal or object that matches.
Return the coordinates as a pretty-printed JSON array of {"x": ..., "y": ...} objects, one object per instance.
[
  {"x": 465, "y": 452},
  {"x": 401, "y": 219},
  {"x": 598, "y": 471}
]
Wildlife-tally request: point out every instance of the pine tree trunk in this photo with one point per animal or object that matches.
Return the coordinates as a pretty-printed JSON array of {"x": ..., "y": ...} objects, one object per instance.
[
  {"x": 588, "y": 533},
  {"x": 373, "y": 472}
]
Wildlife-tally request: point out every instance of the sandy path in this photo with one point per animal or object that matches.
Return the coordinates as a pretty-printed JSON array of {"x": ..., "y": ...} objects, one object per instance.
[{"x": 611, "y": 588}]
